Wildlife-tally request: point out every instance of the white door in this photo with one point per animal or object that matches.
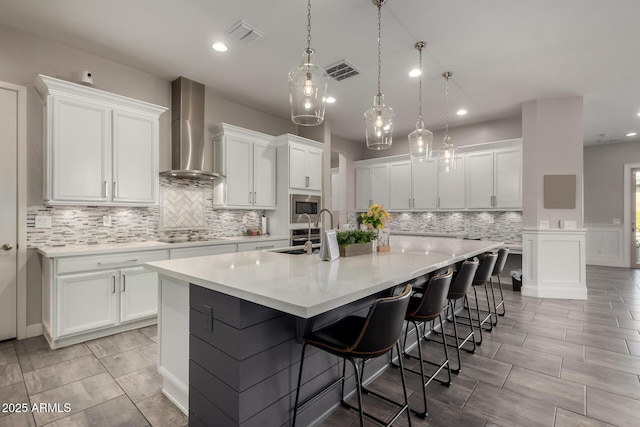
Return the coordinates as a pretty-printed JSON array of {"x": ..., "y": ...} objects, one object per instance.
[
  {"x": 86, "y": 302},
  {"x": 264, "y": 176},
  {"x": 451, "y": 187},
  {"x": 8, "y": 195},
  {"x": 81, "y": 139},
  {"x": 363, "y": 188},
  {"x": 380, "y": 184},
  {"x": 313, "y": 169},
  {"x": 400, "y": 186},
  {"x": 138, "y": 294},
  {"x": 508, "y": 178},
  {"x": 479, "y": 184},
  {"x": 239, "y": 172},
  {"x": 135, "y": 158},
  {"x": 423, "y": 184},
  {"x": 297, "y": 174}
]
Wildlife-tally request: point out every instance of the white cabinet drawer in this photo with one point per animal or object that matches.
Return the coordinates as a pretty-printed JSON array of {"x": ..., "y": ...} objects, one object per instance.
[
  {"x": 202, "y": 251},
  {"x": 108, "y": 261},
  {"x": 257, "y": 246}
]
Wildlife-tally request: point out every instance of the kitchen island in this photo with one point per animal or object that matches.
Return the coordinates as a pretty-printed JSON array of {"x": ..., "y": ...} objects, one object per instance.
[{"x": 229, "y": 325}]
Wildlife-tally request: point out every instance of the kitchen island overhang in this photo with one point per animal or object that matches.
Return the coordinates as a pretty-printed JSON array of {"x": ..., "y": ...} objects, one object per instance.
[{"x": 245, "y": 308}]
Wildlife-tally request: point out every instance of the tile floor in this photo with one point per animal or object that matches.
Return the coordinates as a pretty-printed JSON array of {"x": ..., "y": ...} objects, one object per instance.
[
  {"x": 548, "y": 363},
  {"x": 111, "y": 381}
]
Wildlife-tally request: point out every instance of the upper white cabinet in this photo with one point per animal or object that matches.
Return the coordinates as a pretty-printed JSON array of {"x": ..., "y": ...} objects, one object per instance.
[
  {"x": 487, "y": 179},
  {"x": 372, "y": 185},
  {"x": 304, "y": 159},
  {"x": 451, "y": 186},
  {"x": 248, "y": 160},
  {"x": 305, "y": 168},
  {"x": 494, "y": 179},
  {"x": 100, "y": 148}
]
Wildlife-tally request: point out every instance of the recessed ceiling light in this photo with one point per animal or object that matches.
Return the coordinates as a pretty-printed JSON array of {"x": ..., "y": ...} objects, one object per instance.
[
  {"x": 638, "y": 114},
  {"x": 632, "y": 134},
  {"x": 416, "y": 72},
  {"x": 219, "y": 47},
  {"x": 330, "y": 100},
  {"x": 461, "y": 112}
]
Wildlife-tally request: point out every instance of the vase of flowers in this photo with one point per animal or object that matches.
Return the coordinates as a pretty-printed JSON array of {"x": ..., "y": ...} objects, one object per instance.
[{"x": 376, "y": 218}]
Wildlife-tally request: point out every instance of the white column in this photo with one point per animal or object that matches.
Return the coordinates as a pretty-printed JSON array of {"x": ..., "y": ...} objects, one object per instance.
[{"x": 553, "y": 256}]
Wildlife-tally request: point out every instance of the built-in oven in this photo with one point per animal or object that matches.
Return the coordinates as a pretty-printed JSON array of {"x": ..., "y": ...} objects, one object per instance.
[
  {"x": 304, "y": 204},
  {"x": 300, "y": 235}
]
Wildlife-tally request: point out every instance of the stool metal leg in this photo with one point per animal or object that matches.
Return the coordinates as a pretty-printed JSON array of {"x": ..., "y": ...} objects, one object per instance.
[
  {"x": 295, "y": 408},
  {"x": 501, "y": 299},
  {"x": 495, "y": 307}
]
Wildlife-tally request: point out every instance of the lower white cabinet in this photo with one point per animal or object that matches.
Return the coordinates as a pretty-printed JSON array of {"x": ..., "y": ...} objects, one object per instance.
[
  {"x": 259, "y": 246},
  {"x": 86, "y": 297}
]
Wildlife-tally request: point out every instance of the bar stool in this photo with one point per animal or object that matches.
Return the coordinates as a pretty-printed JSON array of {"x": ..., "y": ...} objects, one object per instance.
[
  {"x": 425, "y": 308},
  {"x": 460, "y": 289},
  {"x": 362, "y": 338},
  {"x": 482, "y": 278},
  {"x": 497, "y": 271}
]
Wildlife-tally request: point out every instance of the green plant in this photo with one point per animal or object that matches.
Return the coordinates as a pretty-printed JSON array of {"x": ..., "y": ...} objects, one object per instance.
[{"x": 355, "y": 236}]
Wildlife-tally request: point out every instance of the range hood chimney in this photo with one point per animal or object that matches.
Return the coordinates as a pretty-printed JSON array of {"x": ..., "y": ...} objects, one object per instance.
[{"x": 187, "y": 131}]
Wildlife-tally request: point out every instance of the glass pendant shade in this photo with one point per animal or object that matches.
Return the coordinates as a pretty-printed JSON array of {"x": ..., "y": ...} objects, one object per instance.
[
  {"x": 378, "y": 122},
  {"x": 447, "y": 159},
  {"x": 420, "y": 143},
  {"x": 307, "y": 91}
]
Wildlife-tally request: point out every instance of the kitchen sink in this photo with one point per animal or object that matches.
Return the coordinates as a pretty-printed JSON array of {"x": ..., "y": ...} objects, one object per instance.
[{"x": 297, "y": 252}]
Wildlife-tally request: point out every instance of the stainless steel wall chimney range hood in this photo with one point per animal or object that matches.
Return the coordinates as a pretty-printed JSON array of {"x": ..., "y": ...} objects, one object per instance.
[{"x": 187, "y": 131}]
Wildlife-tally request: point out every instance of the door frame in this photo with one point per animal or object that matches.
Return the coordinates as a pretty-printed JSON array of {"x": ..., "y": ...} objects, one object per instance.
[
  {"x": 21, "y": 213},
  {"x": 628, "y": 167}
]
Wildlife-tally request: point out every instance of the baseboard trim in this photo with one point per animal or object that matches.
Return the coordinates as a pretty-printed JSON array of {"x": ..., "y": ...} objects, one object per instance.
[
  {"x": 34, "y": 330},
  {"x": 554, "y": 292}
]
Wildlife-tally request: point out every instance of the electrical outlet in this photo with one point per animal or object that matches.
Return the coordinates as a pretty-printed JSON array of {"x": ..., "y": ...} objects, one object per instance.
[
  {"x": 245, "y": 219},
  {"x": 106, "y": 221},
  {"x": 544, "y": 224},
  {"x": 492, "y": 219},
  {"x": 43, "y": 221},
  {"x": 616, "y": 221}
]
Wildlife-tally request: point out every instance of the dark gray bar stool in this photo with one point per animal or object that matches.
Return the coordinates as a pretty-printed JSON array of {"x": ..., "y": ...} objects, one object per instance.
[
  {"x": 426, "y": 308},
  {"x": 497, "y": 270},
  {"x": 356, "y": 337}
]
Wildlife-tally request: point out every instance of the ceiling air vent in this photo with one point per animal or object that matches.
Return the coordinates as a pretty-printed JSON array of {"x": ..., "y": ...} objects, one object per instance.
[
  {"x": 244, "y": 32},
  {"x": 341, "y": 70}
]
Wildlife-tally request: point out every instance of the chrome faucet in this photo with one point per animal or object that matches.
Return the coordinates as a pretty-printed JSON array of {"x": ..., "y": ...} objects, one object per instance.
[
  {"x": 320, "y": 214},
  {"x": 308, "y": 244}
]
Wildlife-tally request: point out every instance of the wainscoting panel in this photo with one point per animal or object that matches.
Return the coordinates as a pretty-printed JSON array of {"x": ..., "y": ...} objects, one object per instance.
[
  {"x": 554, "y": 264},
  {"x": 605, "y": 245}
]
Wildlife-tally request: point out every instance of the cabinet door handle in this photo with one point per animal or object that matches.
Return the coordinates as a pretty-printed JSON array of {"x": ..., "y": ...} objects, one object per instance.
[
  {"x": 113, "y": 284},
  {"x": 115, "y": 190},
  {"x": 254, "y": 197},
  {"x": 265, "y": 247},
  {"x": 124, "y": 283},
  {"x": 370, "y": 202},
  {"x": 104, "y": 189},
  {"x": 117, "y": 262},
  {"x": 250, "y": 196},
  {"x": 438, "y": 204},
  {"x": 306, "y": 181}
]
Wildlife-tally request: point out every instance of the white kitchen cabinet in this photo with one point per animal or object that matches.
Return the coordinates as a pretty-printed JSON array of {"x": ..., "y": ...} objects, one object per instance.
[
  {"x": 86, "y": 302},
  {"x": 494, "y": 179},
  {"x": 451, "y": 186},
  {"x": 100, "y": 148},
  {"x": 508, "y": 178},
  {"x": 305, "y": 168},
  {"x": 248, "y": 160},
  {"x": 138, "y": 294},
  {"x": 86, "y": 297},
  {"x": 424, "y": 185},
  {"x": 400, "y": 186},
  {"x": 372, "y": 185}
]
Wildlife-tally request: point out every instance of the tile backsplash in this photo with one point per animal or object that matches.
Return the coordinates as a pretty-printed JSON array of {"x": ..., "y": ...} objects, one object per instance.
[
  {"x": 501, "y": 226},
  {"x": 185, "y": 212}
]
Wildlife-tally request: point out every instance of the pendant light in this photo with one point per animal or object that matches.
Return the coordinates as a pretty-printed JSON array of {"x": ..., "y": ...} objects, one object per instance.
[
  {"x": 307, "y": 86},
  {"x": 378, "y": 120},
  {"x": 447, "y": 152},
  {"x": 420, "y": 139}
]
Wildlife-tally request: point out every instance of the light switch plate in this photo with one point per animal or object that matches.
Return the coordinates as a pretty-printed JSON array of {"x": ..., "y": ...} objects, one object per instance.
[
  {"x": 43, "y": 221},
  {"x": 544, "y": 224},
  {"x": 570, "y": 224},
  {"x": 106, "y": 221}
]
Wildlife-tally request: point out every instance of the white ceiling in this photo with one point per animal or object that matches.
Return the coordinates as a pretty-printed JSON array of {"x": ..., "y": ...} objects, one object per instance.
[{"x": 502, "y": 52}]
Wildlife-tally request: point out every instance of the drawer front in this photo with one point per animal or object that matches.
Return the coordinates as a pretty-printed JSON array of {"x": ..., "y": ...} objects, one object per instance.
[
  {"x": 203, "y": 251},
  {"x": 258, "y": 246},
  {"x": 108, "y": 261}
]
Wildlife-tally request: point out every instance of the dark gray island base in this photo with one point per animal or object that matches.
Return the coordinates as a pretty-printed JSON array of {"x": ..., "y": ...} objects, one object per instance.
[{"x": 244, "y": 361}]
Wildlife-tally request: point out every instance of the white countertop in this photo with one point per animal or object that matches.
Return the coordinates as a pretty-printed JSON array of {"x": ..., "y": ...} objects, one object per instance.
[
  {"x": 75, "y": 250},
  {"x": 429, "y": 234},
  {"x": 305, "y": 286}
]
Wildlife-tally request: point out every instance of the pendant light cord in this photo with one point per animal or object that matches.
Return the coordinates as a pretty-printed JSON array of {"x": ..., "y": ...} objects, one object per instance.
[
  {"x": 446, "y": 75},
  {"x": 308, "y": 26},
  {"x": 420, "y": 87},
  {"x": 379, "y": 48}
]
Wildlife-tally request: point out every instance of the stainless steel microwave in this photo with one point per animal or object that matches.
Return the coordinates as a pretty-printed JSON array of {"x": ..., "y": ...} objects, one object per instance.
[{"x": 304, "y": 204}]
